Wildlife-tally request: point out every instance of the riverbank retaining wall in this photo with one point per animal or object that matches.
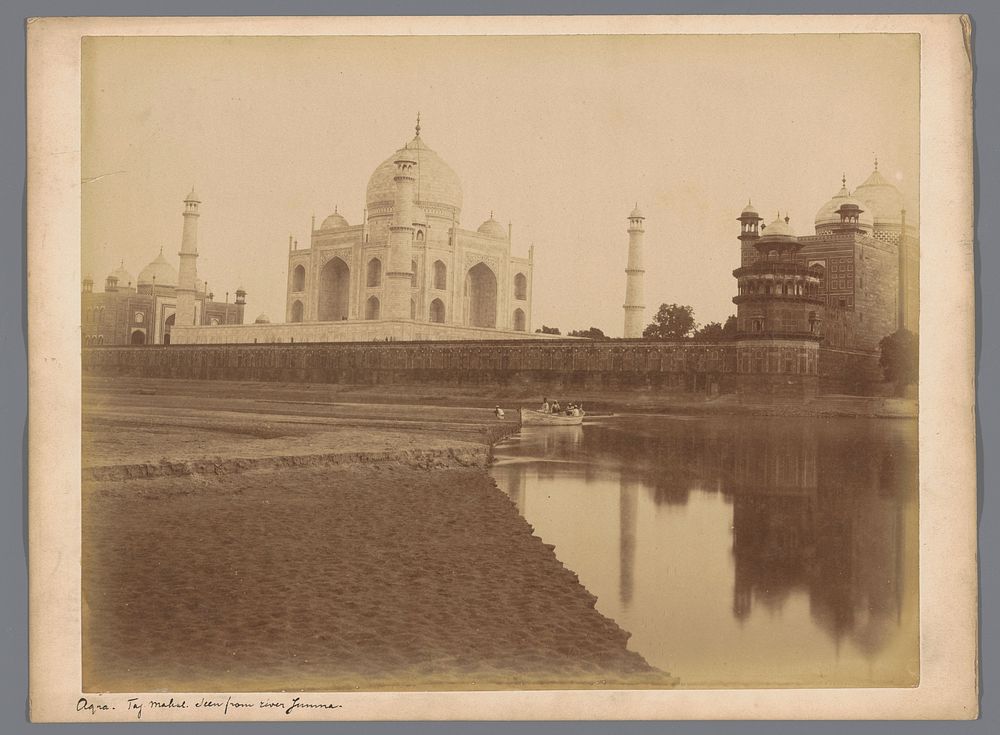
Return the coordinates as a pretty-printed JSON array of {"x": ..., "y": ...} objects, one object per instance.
[{"x": 686, "y": 367}]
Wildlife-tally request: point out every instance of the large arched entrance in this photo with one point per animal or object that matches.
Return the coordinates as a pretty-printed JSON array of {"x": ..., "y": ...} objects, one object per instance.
[
  {"x": 138, "y": 337},
  {"x": 481, "y": 297},
  {"x": 334, "y": 291}
]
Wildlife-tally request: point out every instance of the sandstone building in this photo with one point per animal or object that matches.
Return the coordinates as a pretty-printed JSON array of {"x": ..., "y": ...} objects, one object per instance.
[
  {"x": 844, "y": 288},
  {"x": 145, "y": 310}
]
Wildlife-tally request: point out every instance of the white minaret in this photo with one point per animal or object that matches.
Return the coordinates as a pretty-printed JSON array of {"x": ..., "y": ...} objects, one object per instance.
[
  {"x": 398, "y": 275},
  {"x": 188, "y": 274},
  {"x": 635, "y": 310}
]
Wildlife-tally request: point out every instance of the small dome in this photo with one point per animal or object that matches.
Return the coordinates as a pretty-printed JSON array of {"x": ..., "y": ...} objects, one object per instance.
[
  {"x": 884, "y": 200},
  {"x": 334, "y": 221},
  {"x": 779, "y": 229},
  {"x": 636, "y": 213},
  {"x": 164, "y": 273},
  {"x": 192, "y": 196},
  {"x": 492, "y": 228},
  {"x": 749, "y": 210},
  {"x": 125, "y": 279},
  {"x": 262, "y": 319}
]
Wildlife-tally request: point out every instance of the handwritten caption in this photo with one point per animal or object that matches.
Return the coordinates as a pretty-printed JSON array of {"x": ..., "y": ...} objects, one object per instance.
[{"x": 136, "y": 706}]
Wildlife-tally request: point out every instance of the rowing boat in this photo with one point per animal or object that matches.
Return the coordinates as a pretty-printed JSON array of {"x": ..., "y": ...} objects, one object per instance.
[{"x": 530, "y": 417}]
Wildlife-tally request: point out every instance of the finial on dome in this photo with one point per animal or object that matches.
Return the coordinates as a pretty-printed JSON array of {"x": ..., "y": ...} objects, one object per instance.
[
  {"x": 787, "y": 218},
  {"x": 491, "y": 214},
  {"x": 418, "y": 124},
  {"x": 876, "y": 163},
  {"x": 843, "y": 180},
  {"x": 335, "y": 209}
]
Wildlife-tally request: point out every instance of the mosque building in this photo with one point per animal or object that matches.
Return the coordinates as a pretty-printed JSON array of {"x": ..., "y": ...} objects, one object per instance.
[
  {"x": 842, "y": 289},
  {"x": 408, "y": 271},
  {"x": 145, "y": 310}
]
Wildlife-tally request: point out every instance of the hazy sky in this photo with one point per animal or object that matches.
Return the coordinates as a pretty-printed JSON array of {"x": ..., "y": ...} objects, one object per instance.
[{"x": 560, "y": 135}]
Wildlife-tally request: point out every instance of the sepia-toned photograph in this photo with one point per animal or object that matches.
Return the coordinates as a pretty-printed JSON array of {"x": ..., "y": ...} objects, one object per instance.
[{"x": 521, "y": 362}]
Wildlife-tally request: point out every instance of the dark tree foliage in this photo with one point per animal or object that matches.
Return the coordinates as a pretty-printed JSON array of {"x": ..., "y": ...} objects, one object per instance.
[
  {"x": 900, "y": 357},
  {"x": 548, "y": 330},
  {"x": 729, "y": 328},
  {"x": 672, "y": 321},
  {"x": 592, "y": 333},
  {"x": 710, "y": 332}
]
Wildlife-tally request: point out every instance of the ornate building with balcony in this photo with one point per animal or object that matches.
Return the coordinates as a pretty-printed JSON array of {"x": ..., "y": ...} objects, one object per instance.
[{"x": 812, "y": 305}]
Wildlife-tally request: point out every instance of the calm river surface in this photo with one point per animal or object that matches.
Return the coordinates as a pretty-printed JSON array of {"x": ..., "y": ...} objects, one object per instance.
[{"x": 738, "y": 551}]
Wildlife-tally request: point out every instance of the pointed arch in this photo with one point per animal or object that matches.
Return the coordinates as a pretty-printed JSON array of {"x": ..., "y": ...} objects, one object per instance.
[
  {"x": 297, "y": 310},
  {"x": 440, "y": 275},
  {"x": 299, "y": 279},
  {"x": 374, "y": 273},
  {"x": 520, "y": 287},
  {"x": 334, "y": 291},
  {"x": 519, "y": 320},
  {"x": 481, "y": 297},
  {"x": 437, "y": 311},
  {"x": 372, "y": 308}
]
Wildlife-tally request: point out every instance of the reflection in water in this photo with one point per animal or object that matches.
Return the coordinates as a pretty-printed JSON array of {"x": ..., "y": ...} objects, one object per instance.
[{"x": 756, "y": 551}]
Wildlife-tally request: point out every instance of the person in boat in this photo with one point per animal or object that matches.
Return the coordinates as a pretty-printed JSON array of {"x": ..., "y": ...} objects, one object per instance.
[
  {"x": 499, "y": 412},
  {"x": 555, "y": 406},
  {"x": 545, "y": 405}
]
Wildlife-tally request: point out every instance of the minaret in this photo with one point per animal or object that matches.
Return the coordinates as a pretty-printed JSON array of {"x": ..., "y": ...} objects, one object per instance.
[
  {"x": 398, "y": 274},
  {"x": 635, "y": 310},
  {"x": 749, "y": 234},
  {"x": 188, "y": 274}
]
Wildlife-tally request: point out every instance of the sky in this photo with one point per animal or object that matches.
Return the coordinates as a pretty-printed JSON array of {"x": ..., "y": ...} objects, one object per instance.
[{"x": 559, "y": 135}]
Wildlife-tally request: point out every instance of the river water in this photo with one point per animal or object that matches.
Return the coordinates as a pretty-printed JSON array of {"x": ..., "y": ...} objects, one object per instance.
[{"x": 738, "y": 551}]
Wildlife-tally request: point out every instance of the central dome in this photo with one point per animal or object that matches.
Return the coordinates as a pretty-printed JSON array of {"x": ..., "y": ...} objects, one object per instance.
[
  {"x": 437, "y": 186},
  {"x": 883, "y": 199},
  {"x": 158, "y": 272}
]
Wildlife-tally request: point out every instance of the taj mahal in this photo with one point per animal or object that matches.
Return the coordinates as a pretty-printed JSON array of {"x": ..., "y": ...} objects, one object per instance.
[{"x": 407, "y": 272}]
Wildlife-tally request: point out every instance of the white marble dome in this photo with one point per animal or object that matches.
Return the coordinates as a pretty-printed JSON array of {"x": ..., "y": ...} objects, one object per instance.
[
  {"x": 125, "y": 279},
  {"x": 884, "y": 201},
  {"x": 334, "y": 221},
  {"x": 778, "y": 228},
  {"x": 492, "y": 228},
  {"x": 436, "y": 186},
  {"x": 262, "y": 319},
  {"x": 164, "y": 273},
  {"x": 827, "y": 214}
]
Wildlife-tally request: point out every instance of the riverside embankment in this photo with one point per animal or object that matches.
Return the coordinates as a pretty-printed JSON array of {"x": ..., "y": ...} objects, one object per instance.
[{"x": 256, "y": 539}]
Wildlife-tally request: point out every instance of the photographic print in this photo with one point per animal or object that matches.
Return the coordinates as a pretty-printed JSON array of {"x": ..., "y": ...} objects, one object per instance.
[{"x": 526, "y": 362}]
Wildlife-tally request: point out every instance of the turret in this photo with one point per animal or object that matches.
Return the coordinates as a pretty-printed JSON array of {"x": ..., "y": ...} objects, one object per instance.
[
  {"x": 241, "y": 296},
  {"x": 635, "y": 309},
  {"x": 88, "y": 284},
  {"x": 188, "y": 274},
  {"x": 749, "y": 221}
]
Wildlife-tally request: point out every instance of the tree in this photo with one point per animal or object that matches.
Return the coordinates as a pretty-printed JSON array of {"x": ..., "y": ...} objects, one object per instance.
[
  {"x": 592, "y": 333},
  {"x": 900, "y": 358},
  {"x": 672, "y": 321},
  {"x": 710, "y": 332},
  {"x": 548, "y": 330},
  {"x": 729, "y": 328}
]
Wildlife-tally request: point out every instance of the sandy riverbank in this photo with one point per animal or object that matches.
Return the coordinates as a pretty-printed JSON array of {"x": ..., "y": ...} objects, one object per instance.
[
  {"x": 365, "y": 549},
  {"x": 364, "y": 398}
]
